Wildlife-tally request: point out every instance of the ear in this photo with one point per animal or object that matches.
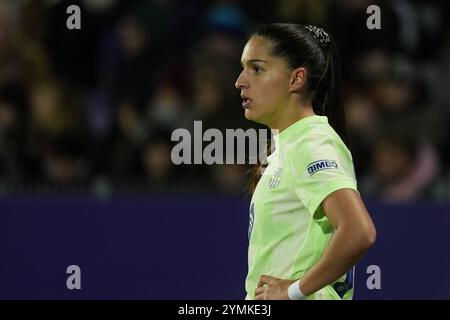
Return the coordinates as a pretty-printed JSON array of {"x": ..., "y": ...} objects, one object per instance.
[{"x": 298, "y": 79}]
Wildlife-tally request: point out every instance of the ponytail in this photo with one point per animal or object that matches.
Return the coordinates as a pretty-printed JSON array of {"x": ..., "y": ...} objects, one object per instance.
[{"x": 328, "y": 100}]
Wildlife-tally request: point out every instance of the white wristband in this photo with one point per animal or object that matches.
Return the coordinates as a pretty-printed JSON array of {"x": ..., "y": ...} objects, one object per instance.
[{"x": 294, "y": 291}]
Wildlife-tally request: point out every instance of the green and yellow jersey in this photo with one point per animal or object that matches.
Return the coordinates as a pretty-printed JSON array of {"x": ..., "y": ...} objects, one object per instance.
[{"x": 288, "y": 230}]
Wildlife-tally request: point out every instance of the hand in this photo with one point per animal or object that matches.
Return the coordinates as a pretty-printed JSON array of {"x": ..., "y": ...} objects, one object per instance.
[{"x": 271, "y": 288}]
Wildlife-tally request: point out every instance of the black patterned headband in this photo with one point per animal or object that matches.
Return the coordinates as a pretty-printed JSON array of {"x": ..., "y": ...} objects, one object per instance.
[{"x": 320, "y": 35}]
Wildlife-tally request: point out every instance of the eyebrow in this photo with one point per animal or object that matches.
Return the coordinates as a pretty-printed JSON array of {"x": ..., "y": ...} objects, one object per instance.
[{"x": 255, "y": 60}]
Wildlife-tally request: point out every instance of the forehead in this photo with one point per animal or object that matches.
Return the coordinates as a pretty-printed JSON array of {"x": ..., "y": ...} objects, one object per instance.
[{"x": 257, "y": 48}]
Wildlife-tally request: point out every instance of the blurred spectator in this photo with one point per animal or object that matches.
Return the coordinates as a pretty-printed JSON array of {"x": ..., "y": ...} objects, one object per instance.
[
  {"x": 12, "y": 135},
  {"x": 63, "y": 161},
  {"x": 57, "y": 144},
  {"x": 93, "y": 109},
  {"x": 362, "y": 124},
  {"x": 230, "y": 178},
  {"x": 404, "y": 168},
  {"x": 158, "y": 169},
  {"x": 167, "y": 107},
  {"x": 308, "y": 12}
]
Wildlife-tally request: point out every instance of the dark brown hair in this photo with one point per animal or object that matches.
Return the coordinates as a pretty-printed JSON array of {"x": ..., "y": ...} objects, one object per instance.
[{"x": 298, "y": 46}]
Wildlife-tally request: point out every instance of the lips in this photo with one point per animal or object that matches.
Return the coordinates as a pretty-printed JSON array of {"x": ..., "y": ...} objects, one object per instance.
[{"x": 245, "y": 101}]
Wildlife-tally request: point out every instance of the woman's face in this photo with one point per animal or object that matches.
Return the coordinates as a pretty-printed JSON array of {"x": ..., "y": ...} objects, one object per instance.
[{"x": 264, "y": 82}]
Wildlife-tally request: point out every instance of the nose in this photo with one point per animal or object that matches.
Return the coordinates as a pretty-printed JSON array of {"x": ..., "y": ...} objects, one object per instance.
[{"x": 241, "y": 82}]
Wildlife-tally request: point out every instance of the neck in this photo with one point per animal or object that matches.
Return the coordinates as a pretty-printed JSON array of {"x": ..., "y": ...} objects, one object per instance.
[{"x": 293, "y": 113}]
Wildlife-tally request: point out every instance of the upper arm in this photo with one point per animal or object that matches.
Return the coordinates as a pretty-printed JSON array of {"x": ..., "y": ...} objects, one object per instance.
[{"x": 345, "y": 207}]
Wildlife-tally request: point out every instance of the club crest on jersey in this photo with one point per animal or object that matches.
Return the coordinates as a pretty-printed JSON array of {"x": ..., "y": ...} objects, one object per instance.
[
  {"x": 320, "y": 165},
  {"x": 275, "y": 179}
]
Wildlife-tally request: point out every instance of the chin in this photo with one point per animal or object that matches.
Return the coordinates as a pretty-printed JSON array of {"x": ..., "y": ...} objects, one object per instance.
[{"x": 250, "y": 115}]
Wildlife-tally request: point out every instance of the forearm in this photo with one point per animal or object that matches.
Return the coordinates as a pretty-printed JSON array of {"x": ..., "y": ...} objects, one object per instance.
[{"x": 346, "y": 247}]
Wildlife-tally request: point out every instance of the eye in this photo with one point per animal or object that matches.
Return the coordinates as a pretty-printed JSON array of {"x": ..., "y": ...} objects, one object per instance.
[{"x": 257, "y": 69}]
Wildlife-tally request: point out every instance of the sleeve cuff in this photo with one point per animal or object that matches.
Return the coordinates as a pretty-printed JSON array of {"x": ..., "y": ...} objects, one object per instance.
[{"x": 327, "y": 190}]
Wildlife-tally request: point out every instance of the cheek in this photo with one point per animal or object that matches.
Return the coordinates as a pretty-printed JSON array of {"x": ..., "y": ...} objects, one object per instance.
[{"x": 274, "y": 93}]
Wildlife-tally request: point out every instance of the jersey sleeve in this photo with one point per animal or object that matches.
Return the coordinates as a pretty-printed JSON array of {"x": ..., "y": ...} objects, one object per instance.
[{"x": 321, "y": 164}]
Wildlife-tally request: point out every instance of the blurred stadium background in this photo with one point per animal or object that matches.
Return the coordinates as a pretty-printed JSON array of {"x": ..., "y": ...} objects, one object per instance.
[{"x": 85, "y": 123}]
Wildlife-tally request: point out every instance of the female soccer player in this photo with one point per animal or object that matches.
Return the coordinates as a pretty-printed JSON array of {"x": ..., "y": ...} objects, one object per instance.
[{"x": 308, "y": 224}]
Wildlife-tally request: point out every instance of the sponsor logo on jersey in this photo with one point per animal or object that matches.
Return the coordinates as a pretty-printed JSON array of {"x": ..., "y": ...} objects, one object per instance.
[{"x": 320, "y": 165}]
